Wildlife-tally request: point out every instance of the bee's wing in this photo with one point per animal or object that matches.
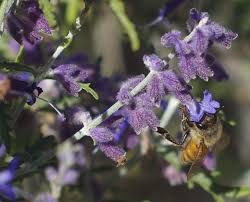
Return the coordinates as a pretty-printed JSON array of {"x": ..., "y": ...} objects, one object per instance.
[
  {"x": 221, "y": 144},
  {"x": 167, "y": 136},
  {"x": 196, "y": 165}
]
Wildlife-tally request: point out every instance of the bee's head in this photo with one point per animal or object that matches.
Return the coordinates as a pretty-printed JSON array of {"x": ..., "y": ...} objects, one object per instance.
[{"x": 208, "y": 121}]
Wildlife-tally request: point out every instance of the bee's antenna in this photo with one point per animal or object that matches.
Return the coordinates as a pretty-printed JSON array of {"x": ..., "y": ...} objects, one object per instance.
[{"x": 53, "y": 106}]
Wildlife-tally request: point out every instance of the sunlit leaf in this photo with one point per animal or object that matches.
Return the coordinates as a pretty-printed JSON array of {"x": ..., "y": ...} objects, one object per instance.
[
  {"x": 129, "y": 28},
  {"x": 88, "y": 89},
  {"x": 49, "y": 11}
]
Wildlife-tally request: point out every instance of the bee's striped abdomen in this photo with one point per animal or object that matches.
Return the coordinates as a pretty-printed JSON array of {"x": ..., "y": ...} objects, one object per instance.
[{"x": 194, "y": 151}]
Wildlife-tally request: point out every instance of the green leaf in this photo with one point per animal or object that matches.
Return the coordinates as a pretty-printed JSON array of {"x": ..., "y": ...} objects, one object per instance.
[
  {"x": 88, "y": 89},
  {"x": 4, "y": 8},
  {"x": 119, "y": 9},
  {"x": 13, "y": 66},
  {"x": 219, "y": 191},
  {"x": 72, "y": 11},
  {"x": 48, "y": 10}
]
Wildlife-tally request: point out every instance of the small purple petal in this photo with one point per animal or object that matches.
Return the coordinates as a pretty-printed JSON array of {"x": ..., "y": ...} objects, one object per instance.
[
  {"x": 5, "y": 177},
  {"x": 153, "y": 62},
  {"x": 210, "y": 162},
  {"x": 51, "y": 174},
  {"x": 141, "y": 118},
  {"x": 69, "y": 75},
  {"x": 45, "y": 197},
  {"x": 172, "y": 81},
  {"x": 173, "y": 39},
  {"x": 207, "y": 104},
  {"x": 174, "y": 176},
  {"x": 70, "y": 177},
  {"x": 124, "y": 93},
  {"x": 2, "y": 150},
  {"x": 155, "y": 90},
  {"x": 132, "y": 141},
  {"x": 101, "y": 134},
  {"x": 114, "y": 152},
  {"x": 198, "y": 109},
  {"x": 195, "y": 111},
  {"x": 199, "y": 42}
]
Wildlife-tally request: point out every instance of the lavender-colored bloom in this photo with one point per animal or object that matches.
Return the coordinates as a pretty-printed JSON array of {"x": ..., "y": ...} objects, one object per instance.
[
  {"x": 198, "y": 109},
  {"x": 132, "y": 140},
  {"x": 169, "y": 7},
  {"x": 6, "y": 177},
  {"x": 191, "y": 63},
  {"x": 6, "y": 188},
  {"x": 74, "y": 119},
  {"x": 176, "y": 85},
  {"x": 208, "y": 104},
  {"x": 26, "y": 21},
  {"x": 2, "y": 150},
  {"x": 124, "y": 94},
  {"x": 154, "y": 63},
  {"x": 208, "y": 33},
  {"x": 174, "y": 176},
  {"x": 69, "y": 75},
  {"x": 51, "y": 174},
  {"x": 220, "y": 34},
  {"x": 114, "y": 152},
  {"x": 194, "y": 17},
  {"x": 121, "y": 130},
  {"x": 209, "y": 162},
  {"x": 45, "y": 197},
  {"x": 101, "y": 134},
  {"x": 173, "y": 39},
  {"x": 140, "y": 113},
  {"x": 70, "y": 177}
]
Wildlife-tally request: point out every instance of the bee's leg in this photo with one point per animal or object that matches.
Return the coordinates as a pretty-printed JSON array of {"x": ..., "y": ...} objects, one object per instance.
[
  {"x": 167, "y": 135},
  {"x": 184, "y": 137}
]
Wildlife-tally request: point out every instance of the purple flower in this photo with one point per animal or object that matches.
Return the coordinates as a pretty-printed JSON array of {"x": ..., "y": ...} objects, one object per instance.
[
  {"x": 132, "y": 140},
  {"x": 74, "y": 119},
  {"x": 26, "y": 21},
  {"x": 70, "y": 177},
  {"x": 174, "y": 84},
  {"x": 209, "y": 162},
  {"x": 124, "y": 95},
  {"x": 19, "y": 84},
  {"x": 155, "y": 90},
  {"x": 114, "y": 152},
  {"x": 169, "y": 7},
  {"x": 6, "y": 177},
  {"x": 173, "y": 39},
  {"x": 154, "y": 63},
  {"x": 6, "y": 188},
  {"x": 140, "y": 114},
  {"x": 101, "y": 135},
  {"x": 174, "y": 176},
  {"x": 198, "y": 109},
  {"x": 122, "y": 127},
  {"x": 70, "y": 75},
  {"x": 208, "y": 33},
  {"x": 2, "y": 150},
  {"x": 45, "y": 197},
  {"x": 191, "y": 63},
  {"x": 67, "y": 173}
]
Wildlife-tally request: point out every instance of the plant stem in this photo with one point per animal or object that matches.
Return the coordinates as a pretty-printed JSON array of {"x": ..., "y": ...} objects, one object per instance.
[{"x": 116, "y": 106}]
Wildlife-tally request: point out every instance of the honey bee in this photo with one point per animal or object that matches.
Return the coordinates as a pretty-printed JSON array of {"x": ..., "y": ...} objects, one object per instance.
[{"x": 198, "y": 139}]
